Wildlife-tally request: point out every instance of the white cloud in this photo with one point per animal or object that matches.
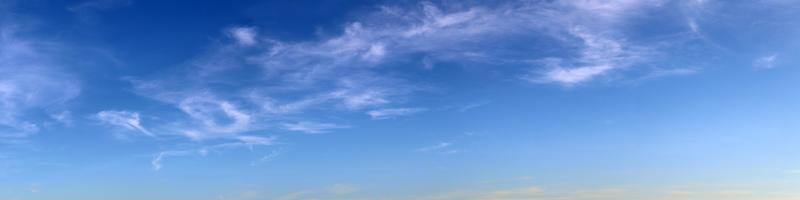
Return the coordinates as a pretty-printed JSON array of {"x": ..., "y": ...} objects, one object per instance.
[
  {"x": 693, "y": 25},
  {"x": 65, "y": 117},
  {"x": 253, "y": 82},
  {"x": 575, "y": 75},
  {"x": 766, "y": 62},
  {"x": 348, "y": 69},
  {"x": 388, "y": 113},
  {"x": 598, "y": 56},
  {"x": 441, "y": 148},
  {"x": 357, "y": 99},
  {"x": 267, "y": 158},
  {"x": 159, "y": 158},
  {"x": 124, "y": 119},
  {"x": 32, "y": 84},
  {"x": 216, "y": 116},
  {"x": 435, "y": 147},
  {"x": 239, "y": 142},
  {"x": 375, "y": 52},
  {"x": 244, "y": 35},
  {"x": 311, "y": 127}
]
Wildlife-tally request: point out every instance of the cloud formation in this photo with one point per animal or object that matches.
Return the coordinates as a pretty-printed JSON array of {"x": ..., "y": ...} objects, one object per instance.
[
  {"x": 124, "y": 119},
  {"x": 31, "y": 82},
  {"x": 388, "y": 113},
  {"x": 311, "y": 127},
  {"x": 254, "y": 82},
  {"x": 247, "y": 142},
  {"x": 251, "y": 83},
  {"x": 766, "y": 62},
  {"x": 440, "y": 148},
  {"x": 243, "y": 35}
]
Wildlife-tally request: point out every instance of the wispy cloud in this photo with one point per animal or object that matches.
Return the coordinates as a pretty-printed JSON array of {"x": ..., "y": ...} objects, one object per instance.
[
  {"x": 347, "y": 69},
  {"x": 440, "y": 148},
  {"x": 598, "y": 56},
  {"x": 766, "y": 62},
  {"x": 215, "y": 116},
  {"x": 389, "y": 113},
  {"x": 311, "y": 127},
  {"x": 251, "y": 82},
  {"x": 441, "y": 145},
  {"x": 32, "y": 83},
  {"x": 248, "y": 142},
  {"x": 158, "y": 159},
  {"x": 125, "y": 119},
  {"x": 268, "y": 157}
]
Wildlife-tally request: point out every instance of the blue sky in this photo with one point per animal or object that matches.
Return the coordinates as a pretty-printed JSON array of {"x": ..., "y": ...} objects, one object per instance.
[{"x": 579, "y": 100}]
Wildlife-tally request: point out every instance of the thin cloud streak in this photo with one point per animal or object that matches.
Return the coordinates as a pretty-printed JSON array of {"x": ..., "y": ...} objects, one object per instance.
[
  {"x": 389, "y": 113},
  {"x": 125, "y": 119},
  {"x": 311, "y": 127}
]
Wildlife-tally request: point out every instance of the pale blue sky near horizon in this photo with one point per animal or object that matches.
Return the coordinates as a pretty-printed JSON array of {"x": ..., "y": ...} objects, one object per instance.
[{"x": 373, "y": 99}]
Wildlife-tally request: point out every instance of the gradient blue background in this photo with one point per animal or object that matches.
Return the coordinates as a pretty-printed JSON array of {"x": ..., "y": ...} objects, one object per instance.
[{"x": 701, "y": 112}]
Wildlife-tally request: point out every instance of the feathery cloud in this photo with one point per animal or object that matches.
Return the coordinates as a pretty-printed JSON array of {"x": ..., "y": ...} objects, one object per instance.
[
  {"x": 254, "y": 82},
  {"x": 441, "y": 148},
  {"x": 311, "y": 127},
  {"x": 388, "y": 113},
  {"x": 245, "y": 141},
  {"x": 31, "y": 81},
  {"x": 125, "y": 119},
  {"x": 766, "y": 62}
]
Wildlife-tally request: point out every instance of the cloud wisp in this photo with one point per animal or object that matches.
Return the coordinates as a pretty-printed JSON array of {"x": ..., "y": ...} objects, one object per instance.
[
  {"x": 32, "y": 83},
  {"x": 247, "y": 142},
  {"x": 124, "y": 119},
  {"x": 311, "y": 127},
  {"x": 251, "y": 83},
  {"x": 766, "y": 62},
  {"x": 346, "y": 71},
  {"x": 389, "y": 113},
  {"x": 440, "y": 148}
]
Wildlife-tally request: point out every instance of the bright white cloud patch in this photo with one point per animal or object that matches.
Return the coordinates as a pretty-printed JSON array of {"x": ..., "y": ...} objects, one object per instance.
[
  {"x": 575, "y": 75},
  {"x": 124, "y": 119},
  {"x": 598, "y": 56},
  {"x": 244, "y": 35}
]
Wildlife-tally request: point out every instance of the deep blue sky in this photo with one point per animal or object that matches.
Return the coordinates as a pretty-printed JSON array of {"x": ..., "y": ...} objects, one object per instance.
[{"x": 607, "y": 99}]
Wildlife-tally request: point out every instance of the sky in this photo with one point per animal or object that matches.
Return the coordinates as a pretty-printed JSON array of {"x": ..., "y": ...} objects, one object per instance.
[{"x": 302, "y": 99}]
